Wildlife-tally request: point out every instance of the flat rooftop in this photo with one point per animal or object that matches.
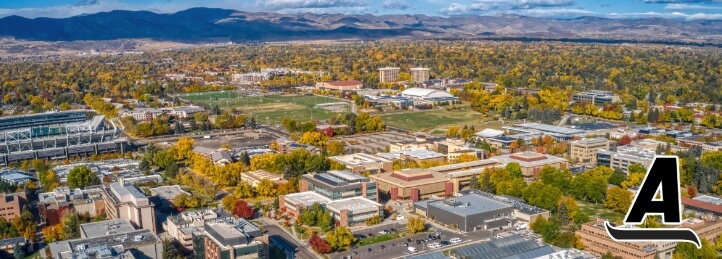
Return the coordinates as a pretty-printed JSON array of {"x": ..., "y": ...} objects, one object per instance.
[
  {"x": 168, "y": 192},
  {"x": 420, "y": 154},
  {"x": 307, "y": 198},
  {"x": 410, "y": 177},
  {"x": 354, "y": 205},
  {"x": 359, "y": 159},
  {"x": 550, "y": 128},
  {"x": 588, "y": 141},
  {"x": 528, "y": 159},
  {"x": 464, "y": 166},
  {"x": 105, "y": 227},
  {"x": 469, "y": 205}
]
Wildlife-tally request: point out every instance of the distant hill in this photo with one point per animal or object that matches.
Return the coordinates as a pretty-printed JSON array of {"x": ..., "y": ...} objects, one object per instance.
[{"x": 199, "y": 24}]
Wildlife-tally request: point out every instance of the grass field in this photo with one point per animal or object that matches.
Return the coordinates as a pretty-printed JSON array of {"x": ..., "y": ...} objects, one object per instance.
[
  {"x": 267, "y": 109},
  {"x": 438, "y": 120},
  {"x": 598, "y": 210}
]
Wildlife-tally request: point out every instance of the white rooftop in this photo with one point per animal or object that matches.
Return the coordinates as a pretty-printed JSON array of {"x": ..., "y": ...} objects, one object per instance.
[
  {"x": 307, "y": 198},
  {"x": 419, "y": 154},
  {"x": 354, "y": 205}
]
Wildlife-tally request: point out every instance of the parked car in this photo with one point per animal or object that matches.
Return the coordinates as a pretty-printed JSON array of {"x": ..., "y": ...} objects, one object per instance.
[
  {"x": 445, "y": 243},
  {"x": 406, "y": 244},
  {"x": 383, "y": 246},
  {"x": 370, "y": 234},
  {"x": 383, "y": 232},
  {"x": 392, "y": 245},
  {"x": 400, "y": 217},
  {"x": 430, "y": 245},
  {"x": 353, "y": 247},
  {"x": 355, "y": 253},
  {"x": 409, "y": 240},
  {"x": 455, "y": 240},
  {"x": 369, "y": 250}
]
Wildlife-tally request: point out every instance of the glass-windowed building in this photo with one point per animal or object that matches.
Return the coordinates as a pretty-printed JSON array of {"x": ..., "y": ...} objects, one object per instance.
[
  {"x": 229, "y": 239},
  {"x": 337, "y": 185}
]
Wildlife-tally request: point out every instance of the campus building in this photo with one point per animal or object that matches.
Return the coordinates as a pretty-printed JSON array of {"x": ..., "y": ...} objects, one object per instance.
[
  {"x": 624, "y": 157},
  {"x": 585, "y": 150},
  {"x": 236, "y": 238},
  {"x": 418, "y": 156},
  {"x": 128, "y": 202},
  {"x": 182, "y": 226},
  {"x": 596, "y": 97},
  {"x": 412, "y": 184},
  {"x": 429, "y": 95},
  {"x": 115, "y": 239},
  {"x": 341, "y": 85},
  {"x": 460, "y": 174},
  {"x": 336, "y": 185},
  {"x": 345, "y": 212},
  {"x": 469, "y": 212},
  {"x": 419, "y": 74},
  {"x": 360, "y": 162},
  {"x": 52, "y": 205},
  {"x": 389, "y": 74},
  {"x": 531, "y": 163},
  {"x": 453, "y": 148},
  {"x": 255, "y": 177},
  {"x": 515, "y": 246},
  {"x": 596, "y": 241},
  {"x": 11, "y": 205}
]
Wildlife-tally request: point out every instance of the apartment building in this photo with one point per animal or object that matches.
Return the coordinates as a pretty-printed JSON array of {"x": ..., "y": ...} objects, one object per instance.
[
  {"x": 419, "y": 74},
  {"x": 11, "y": 205},
  {"x": 389, "y": 74}
]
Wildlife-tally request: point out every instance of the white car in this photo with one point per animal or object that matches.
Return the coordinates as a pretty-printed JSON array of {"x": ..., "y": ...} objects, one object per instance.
[
  {"x": 455, "y": 240},
  {"x": 430, "y": 245},
  {"x": 400, "y": 217},
  {"x": 412, "y": 249},
  {"x": 383, "y": 232}
]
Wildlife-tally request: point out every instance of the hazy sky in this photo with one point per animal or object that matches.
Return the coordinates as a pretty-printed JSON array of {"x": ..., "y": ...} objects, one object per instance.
[{"x": 671, "y": 9}]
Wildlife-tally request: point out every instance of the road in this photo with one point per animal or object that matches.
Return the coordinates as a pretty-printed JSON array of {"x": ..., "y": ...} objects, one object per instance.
[
  {"x": 301, "y": 251},
  {"x": 564, "y": 119}
]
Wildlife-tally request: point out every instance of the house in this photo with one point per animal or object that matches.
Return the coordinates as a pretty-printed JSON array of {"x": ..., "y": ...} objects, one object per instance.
[{"x": 221, "y": 157}]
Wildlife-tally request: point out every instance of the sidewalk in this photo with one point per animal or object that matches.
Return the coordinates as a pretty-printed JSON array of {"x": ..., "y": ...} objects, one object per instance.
[{"x": 292, "y": 235}]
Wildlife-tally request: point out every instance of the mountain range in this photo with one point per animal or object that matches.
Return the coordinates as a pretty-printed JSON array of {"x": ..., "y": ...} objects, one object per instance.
[{"x": 202, "y": 24}]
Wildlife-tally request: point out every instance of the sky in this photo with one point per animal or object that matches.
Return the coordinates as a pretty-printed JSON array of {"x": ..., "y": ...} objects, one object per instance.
[{"x": 562, "y": 9}]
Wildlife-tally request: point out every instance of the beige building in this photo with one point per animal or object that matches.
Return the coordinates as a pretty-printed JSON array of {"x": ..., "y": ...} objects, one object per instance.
[
  {"x": 597, "y": 242},
  {"x": 418, "y": 156},
  {"x": 412, "y": 184},
  {"x": 460, "y": 174},
  {"x": 360, "y": 162},
  {"x": 126, "y": 201},
  {"x": 11, "y": 205},
  {"x": 341, "y": 85},
  {"x": 389, "y": 74},
  {"x": 531, "y": 163},
  {"x": 419, "y": 74},
  {"x": 585, "y": 150},
  {"x": 255, "y": 177},
  {"x": 182, "y": 226},
  {"x": 453, "y": 148}
]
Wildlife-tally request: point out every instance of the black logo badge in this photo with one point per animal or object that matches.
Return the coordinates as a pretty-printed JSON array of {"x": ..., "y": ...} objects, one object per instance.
[{"x": 662, "y": 176}]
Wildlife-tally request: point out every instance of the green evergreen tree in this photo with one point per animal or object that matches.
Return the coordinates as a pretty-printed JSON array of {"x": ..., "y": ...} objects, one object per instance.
[
  {"x": 168, "y": 251},
  {"x": 18, "y": 251},
  {"x": 71, "y": 225}
]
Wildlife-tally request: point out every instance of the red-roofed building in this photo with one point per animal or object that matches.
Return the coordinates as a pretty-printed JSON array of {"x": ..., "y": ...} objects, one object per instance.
[{"x": 341, "y": 85}]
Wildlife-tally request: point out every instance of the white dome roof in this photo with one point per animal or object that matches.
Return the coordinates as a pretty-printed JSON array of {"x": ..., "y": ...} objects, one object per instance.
[{"x": 425, "y": 93}]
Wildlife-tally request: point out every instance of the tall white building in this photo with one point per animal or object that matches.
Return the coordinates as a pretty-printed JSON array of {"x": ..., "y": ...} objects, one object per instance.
[
  {"x": 419, "y": 74},
  {"x": 125, "y": 201},
  {"x": 389, "y": 74}
]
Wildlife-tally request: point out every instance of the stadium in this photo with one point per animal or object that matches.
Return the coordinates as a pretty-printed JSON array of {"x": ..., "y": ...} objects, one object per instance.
[{"x": 57, "y": 135}]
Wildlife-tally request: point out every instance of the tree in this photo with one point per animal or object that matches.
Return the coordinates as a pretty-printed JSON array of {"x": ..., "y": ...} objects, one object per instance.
[
  {"x": 416, "y": 224},
  {"x": 465, "y": 158},
  {"x": 244, "y": 190},
  {"x": 564, "y": 217},
  {"x": 548, "y": 229},
  {"x": 689, "y": 250},
  {"x": 335, "y": 148},
  {"x": 314, "y": 138},
  {"x": 559, "y": 178},
  {"x": 514, "y": 169},
  {"x": 71, "y": 225},
  {"x": 325, "y": 221},
  {"x": 485, "y": 182},
  {"x": 319, "y": 245},
  {"x": 571, "y": 207},
  {"x": 617, "y": 177},
  {"x": 81, "y": 176},
  {"x": 625, "y": 140},
  {"x": 373, "y": 220},
  {"x": 245, "y": 159},
  {"x": 266, "y": 188},
  {"x": 18, "y": 251},
  {"x": 618, "y": 199},
  {"x": 168, "y": 251},
  {"x": 474, "y": 183},
  {"x": 341, "y": 237},
  {"x": 241, "y": 209}
]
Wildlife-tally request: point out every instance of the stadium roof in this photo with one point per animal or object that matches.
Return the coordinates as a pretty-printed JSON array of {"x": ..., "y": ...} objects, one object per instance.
[
  {"x": 426, "y": 93},
  {"x": 550, "y": 128},
  {"x": 487, "y": 133}
]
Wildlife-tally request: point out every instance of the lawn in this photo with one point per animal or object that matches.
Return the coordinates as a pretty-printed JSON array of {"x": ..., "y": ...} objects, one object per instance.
[
  {"x": 377, "y": 239},
  {"x": 598, "y": 210},
  {"x": 267, "y": 109},
  {"x": 438, "y": 119}
]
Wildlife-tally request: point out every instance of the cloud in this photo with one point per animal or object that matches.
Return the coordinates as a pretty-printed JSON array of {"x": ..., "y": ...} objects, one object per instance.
[
  {"x": 561, "y": 13},
  {"x": 396, "y": 5},
  {"x": 483, "y": 6},
  {"x": 96, "y": 6},
  {"x": 684, "y": 1},
  {"x": 691, "y": 6},
  {"x": 275, "y": 5}
]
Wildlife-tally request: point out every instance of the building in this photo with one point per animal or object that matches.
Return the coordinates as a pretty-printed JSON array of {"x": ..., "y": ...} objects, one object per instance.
[
  {"x": 237, "y": 239},
  {"x": 341, "y": 85},
  {"x": 250, "y": 78},
  {"x": 57, "y": 135},
  {"x": 336, "y": 185},
  {"x": 183, "y": 112},
  {"x": 597, "y": 242},
  {"x": 126, "y": 201},
  {"x": 585, "y": 150},
  {"x": 460, "y": 174},
  {"x": 531, "y": 163},
  {"x": 596, "y": 97},
  {"x": 624, "y": 157},
  {"x": 412, "y": 184},
  {"x": 255, "y": 177},
  {"x": 221, "y": 157},
  {"x": 514, "y": 246},
  {"x": 14, "y": 176},
  {"x": 469, "y": 212},
  {"x": 12, "y": 204},
  {"x": 294, "y": 203},
  {"x": 360, "y": 162},
  {"x": 167, "y": 194},
  {"x": 389, "y": 74},
  {"x": 142, "y": 114},
  {"x": 453, "y": 148},
  {"x": 703, "y": 204},
  {"x": 182, "y": 226},
  {"x": 354, "y": 211},
  {"x": 52, "y": 205},
  {"x": 429, "y": 95},
  {"x": 109, "y": 239},
  {"x": 285, "y": 146},
  {"x": 7, "y": 246},
  {"x": 419, "y": 74},
  {"x": 418, "y": 156},
  {"x": 558, "y": 133}
]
